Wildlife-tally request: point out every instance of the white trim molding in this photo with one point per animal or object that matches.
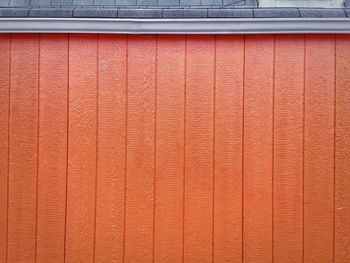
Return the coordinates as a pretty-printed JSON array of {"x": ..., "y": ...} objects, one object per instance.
[
  {"x": 177, "y": 26},
  {"x": 302, "y": 3}
]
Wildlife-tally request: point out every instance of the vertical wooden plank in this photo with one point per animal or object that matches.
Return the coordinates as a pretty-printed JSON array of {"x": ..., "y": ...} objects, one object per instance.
[
  {"x": 228, "y": 149},
  {"x": 170, "y": 149},
  {"x": 81, "y": 148},
  {"x": 199, "y": 149},
  {"x": 140, "y": 149},
  {"x": 111, "y": 148},
  {"x": 52, "y": 147},
  {"x": 288, "y": 149},
  {"x": 4, "y": 135},
  {"x": 342, "y": 168},
  {"x": 258, "y": 94},
  {"x": 23, "y": 148},
  {"x": 319, "y": 148}
]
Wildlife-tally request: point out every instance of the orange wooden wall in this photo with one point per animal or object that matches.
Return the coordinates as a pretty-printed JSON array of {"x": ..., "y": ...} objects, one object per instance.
[{"x": 174, "y": 149}]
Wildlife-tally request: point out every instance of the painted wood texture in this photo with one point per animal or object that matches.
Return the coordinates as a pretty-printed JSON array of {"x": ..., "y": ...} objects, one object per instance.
[
  {"x": 342, "y": 150},
  {"x": 23, "y": 149},
  {"x": 5, "y": 54},
  {"x": 53, "y": 101},
  {"x": 288, "y": 148},
  {"x": 319, "y": 149},
  {"x": 176, "y": 149}
]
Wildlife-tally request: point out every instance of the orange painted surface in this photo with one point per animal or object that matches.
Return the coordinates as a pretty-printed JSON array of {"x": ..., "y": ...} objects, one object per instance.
[
  {"x": 23, "y": 149},
  {"x": 258, "y": 149},
  {"x": 140, "y": 150},
  {"x": 199, "y": 151},
  {"x": 169, "y": 190},
  {"x": 111, "y": 149},
  {"x": 342, "y": 146},
  {"x": 82, "y": 149},
  {"x": 189, "y": 149},
  {"x": 53, "y": 101},
  {"x": 319, "y": 149},
  {"x": 4, "y": 136},
  {"x": 228, "y": 149},
  {"x": 288, "y": 148}
]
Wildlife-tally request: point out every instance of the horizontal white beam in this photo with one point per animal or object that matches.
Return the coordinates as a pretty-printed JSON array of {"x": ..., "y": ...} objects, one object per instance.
[
  {"x": 176, "y": 26},
  {"x": 302, "y": 3}
]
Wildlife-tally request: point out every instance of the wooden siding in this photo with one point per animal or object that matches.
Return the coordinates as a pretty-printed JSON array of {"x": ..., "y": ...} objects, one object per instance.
[{"x": 174, "y": 149}]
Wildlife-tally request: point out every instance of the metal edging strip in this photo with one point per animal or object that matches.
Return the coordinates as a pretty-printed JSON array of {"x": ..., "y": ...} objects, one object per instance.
[{"x": 176, "y": 26}]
